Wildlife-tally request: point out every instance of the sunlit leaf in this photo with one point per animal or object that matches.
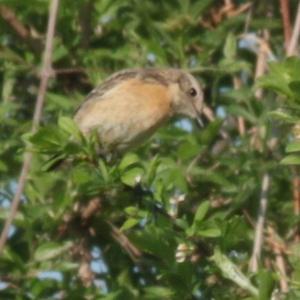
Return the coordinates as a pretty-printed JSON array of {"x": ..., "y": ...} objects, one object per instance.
[
  {"x": 292, "y": 159},
  {"x": 51, "y": 250},
  {"x": 232, "y": 272},
  {"x": 132, "y": 176}
]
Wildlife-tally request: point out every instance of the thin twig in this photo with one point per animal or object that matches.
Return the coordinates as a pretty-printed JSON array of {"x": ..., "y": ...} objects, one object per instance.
[
  {"x": 125, "y": 243},
  {"x": 261, "y": 63},
  {"x": 237, "y": 83},
  {"x": 91, "y": 208},
  {"x": 45, "y": 75},
  {"x": 259, "y": 228},
  {"x": 296, "y": 201},
  {"x": 249, "y": 218},
  {"x": 279, "y": 248},
  {"x": 10, "y": 17},
  {"x": 18, "y": 27},
  {"x": 280, "y": 263},
  {"x": 74, "y": 70},
  {"x": 85, "y": 272},
  {"x": 279, "y": 260},
  {"x": 286, "y": 21},
  {"x": 295, "y": 36},
  {"x": 248, "y": 20},
  {"x": 261, "y": 67}
]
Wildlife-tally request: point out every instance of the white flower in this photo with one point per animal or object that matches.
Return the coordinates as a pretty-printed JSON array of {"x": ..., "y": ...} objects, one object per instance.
[
  {"x": 138, "y": 179},
  {"x": 182, "y": 252}
]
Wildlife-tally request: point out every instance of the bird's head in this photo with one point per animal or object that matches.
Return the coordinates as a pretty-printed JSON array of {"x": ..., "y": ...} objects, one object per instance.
[{"x": 187, "y": 95}]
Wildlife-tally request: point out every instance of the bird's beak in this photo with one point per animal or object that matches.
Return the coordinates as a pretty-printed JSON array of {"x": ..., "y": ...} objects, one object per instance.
[
  {"x": 199, "y": 111},
  {"x": 199, "y": 121}
]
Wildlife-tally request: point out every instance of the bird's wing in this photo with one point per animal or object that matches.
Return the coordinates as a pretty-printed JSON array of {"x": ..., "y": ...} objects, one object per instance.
[
  {"x": 145, "y": 75},
  {"x": 126, "y": 112}
]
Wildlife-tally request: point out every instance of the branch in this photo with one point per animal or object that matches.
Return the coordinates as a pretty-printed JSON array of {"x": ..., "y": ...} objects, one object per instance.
[
  {"x": 19, "y": 28},
  {"x": 279, "y": 249},
  {"x": 45, "y": 75},
  {"x": 85, "y": 273},
  {"x": 295, "y": 36},
  {"x": 259, "y": 228},
  {"x": 10, "y": 17},
  {"x": 279, "y": 260},
  {"x": 261, "y": 63},
  {"x": 124, "y": 242},
  {"x": 286, "y": 21},
  {"x": 237, "y": 83},
  {"x": 296, "y": 201}
]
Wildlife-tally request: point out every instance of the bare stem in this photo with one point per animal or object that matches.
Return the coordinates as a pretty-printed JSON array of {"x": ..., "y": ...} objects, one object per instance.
[
  {"x": 295, "y": 36},
  {"x": 286, "y": 21},
  {"x": 296, "y": 201},
  {"x": 45, "y": 74},
  {"x": 18, "y": 27},
  {"x": 237, "y": 83},
  {"x": 10, "y": 17},
  {"x": 259, "y": 228},
  {"x": 125, "y": 243},
  {"x": 261, "y": 63},
  {"x": 280, "y": 263}
]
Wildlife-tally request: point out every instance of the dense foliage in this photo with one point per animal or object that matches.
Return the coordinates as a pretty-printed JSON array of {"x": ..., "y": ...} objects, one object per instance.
[{"x": 174, "y": 218}]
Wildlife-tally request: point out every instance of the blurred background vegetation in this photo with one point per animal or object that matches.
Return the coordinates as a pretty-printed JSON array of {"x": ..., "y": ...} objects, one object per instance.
[{"x": 208, "y": 213}]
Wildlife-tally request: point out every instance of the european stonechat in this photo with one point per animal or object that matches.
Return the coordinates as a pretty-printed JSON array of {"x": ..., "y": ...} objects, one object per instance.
[{"x": 130, "y": 105}]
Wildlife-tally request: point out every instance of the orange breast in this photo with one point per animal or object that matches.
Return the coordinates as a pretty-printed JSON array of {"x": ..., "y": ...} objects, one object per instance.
[{"x": 127, "y": 114}]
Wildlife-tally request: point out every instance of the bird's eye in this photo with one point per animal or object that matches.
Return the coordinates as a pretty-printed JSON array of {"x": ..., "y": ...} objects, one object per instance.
[{"x": 192, "y": 92}]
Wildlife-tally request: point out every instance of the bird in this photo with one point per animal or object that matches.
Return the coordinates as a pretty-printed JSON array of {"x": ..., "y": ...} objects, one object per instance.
[{"x": 130, "y": 105}]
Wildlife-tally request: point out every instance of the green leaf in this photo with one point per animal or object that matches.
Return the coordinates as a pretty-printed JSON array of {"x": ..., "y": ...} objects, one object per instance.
[
  {"x": 230, "y": 46},
  {"x": 281, "y": 78},
  {"x": 129, "y": 223},
  {"x": 293, "y": 147},
  {"x": 4, "y": 214},
  {"x": 189, "y": 149},
  {"x": 151, "y": 170},
  {"x": 157, "y": 293},
  {"x": 292, "y": 159},
  {"x": 209, "y": 133},
  {"x": 3, "y": 166},
  {"x": 132, "y": 176},
  {"x": 283, "y": 116},
  {"x": 241, "y": 111},
  {"x": 265, "y": 284},
  {"x": 171, "y": 174},
  {"x": 59, "y": 52},
  {"x": 48, "y": 138},
  {"x": 155, "y": 240},
  {"x": 66, "y": 266},
  {"x": 201, "y": 211},
  {"x": 57, "y": 101},
  {"x": 295, "y": 88},
  {"x": 113, "y": 296},
  {"x": 69, "y": 126},
  {"x": 210, "y": 232},
  {"x": 13, "y": 257},
  {"x": 56, "y": 159},
  {"x": 51, "y": 250},
  {"x": 203, "y": 175},
  {"x": 232, "y": 272},
  {"x": 103, "y": 169},
  {"x": 131, "y": 210},
  {"x": 128, "y": 160},
  {"x": 82, "y": 174}
]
